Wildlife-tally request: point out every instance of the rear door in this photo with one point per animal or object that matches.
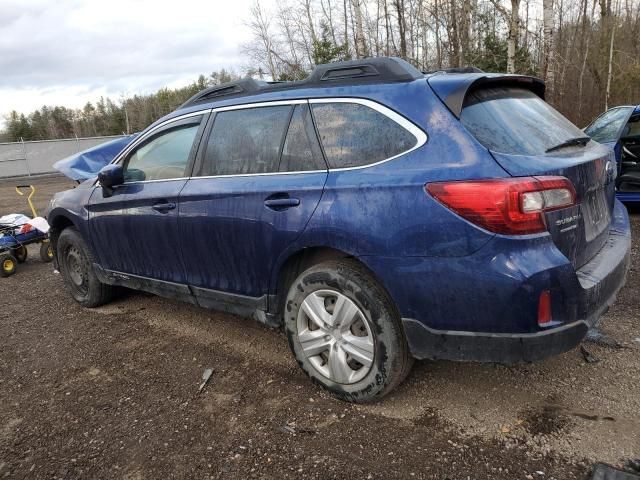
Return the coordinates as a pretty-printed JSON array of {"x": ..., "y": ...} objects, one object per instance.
[
  {"x": 134, "y": 228},
  {"x": 525, "y": 134},
  {"x": 257, "y": 181}
]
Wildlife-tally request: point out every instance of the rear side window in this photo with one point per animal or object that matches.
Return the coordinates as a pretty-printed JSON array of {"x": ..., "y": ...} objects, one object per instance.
[
  {"x": 515, "y": 121},
  {"x": 246, "y": 141},
  {"x": 301, "y": 150},
  {"x": 354, "y": 135}
]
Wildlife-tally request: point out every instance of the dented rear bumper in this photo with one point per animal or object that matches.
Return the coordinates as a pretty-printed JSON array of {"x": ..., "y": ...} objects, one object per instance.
[{"x": 599, "y": 281}]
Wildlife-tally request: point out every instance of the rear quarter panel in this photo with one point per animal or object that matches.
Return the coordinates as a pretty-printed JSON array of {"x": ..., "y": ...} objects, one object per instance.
[{"x": 384, "y": 209}]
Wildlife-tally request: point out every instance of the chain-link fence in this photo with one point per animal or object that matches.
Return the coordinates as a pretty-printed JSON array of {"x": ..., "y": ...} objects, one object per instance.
[{"x": 37, "y": 157}]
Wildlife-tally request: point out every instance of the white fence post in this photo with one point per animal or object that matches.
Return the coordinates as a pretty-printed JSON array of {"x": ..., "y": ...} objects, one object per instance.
[{"x": 24, "y": 154}]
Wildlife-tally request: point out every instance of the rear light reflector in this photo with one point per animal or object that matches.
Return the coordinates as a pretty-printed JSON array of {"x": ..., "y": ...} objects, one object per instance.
[
  {"x": 511, "y": 206},
  {"x": 544, "y": 309}
]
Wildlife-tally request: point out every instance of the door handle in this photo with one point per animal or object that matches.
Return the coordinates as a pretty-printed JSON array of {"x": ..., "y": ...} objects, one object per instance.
[
  {"x": 164, "y": 207},
  {"x": 281, "y": 203}
]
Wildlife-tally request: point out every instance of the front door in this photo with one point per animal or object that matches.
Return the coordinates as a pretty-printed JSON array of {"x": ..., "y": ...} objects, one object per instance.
[{"x": 134, "y": 228}]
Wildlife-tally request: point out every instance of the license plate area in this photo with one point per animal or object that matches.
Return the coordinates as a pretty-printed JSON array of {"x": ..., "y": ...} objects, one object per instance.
[{"x": 595, "y": 213}]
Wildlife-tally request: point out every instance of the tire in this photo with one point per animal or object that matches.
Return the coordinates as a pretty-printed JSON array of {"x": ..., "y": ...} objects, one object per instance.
[
  {"x": 334, "y": 307},
  {"x": 20, "y": 253},
  {"x": 76, "y": 266},
  {"x": 46, "y": 252},
  {"x": 8, "y": 264}
]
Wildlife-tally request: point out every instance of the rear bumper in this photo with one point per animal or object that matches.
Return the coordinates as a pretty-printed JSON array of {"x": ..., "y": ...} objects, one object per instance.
[
  {"x": 599, "y": 281},
  {"x": 426, "y": 343}
]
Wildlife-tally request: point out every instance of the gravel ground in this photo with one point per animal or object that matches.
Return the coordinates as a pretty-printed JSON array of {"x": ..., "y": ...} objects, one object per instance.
[{"x": 113, "y": 393}]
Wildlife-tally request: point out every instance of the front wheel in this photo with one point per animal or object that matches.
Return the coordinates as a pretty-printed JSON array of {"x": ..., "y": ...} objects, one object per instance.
[
  {"x": 345, "y": 332},
  {"x": 76, "y": 266}
]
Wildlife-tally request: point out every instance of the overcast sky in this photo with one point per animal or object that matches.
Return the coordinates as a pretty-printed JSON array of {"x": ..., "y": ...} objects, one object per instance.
[{"x": 68, "y": 52}]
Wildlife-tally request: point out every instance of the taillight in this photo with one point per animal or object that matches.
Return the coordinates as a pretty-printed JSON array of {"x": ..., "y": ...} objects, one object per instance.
[{"x": 511, "y": 206}]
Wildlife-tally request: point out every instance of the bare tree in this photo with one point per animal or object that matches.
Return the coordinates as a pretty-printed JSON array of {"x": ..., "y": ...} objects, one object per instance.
[
  {"x": 262, "y": 50},
  {"x": 402, "y": 27},
  {"x": 547, "y": 69},
  {"x": 361, "y": 47}
]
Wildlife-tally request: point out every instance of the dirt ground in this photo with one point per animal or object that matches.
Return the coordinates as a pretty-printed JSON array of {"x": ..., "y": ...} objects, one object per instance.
[{"x": 113, "y": 393}]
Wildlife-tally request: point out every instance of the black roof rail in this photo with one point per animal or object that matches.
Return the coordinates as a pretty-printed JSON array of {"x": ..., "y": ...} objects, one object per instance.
[
  {"x": 351, "y": 72},
  {"x": 380, "y": 69},
  {"x": 238, "y": 87},
  {"x": 455, "y": 70}
]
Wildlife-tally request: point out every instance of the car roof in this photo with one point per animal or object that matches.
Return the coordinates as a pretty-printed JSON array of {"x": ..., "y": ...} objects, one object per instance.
[
  {"x": 349, "y": 73},
  {"x": 344, "y": 78}
]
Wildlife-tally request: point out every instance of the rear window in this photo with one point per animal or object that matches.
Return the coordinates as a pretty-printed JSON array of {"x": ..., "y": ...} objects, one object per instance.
[{"x": 515, "y": 121}]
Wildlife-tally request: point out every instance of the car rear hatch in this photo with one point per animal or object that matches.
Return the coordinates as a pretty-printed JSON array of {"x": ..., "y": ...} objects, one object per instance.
[{"x": 528, "y": 138}]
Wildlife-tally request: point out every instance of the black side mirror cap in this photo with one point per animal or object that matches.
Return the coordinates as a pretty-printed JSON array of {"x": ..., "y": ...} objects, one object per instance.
[{"x": 111, "y": 175}]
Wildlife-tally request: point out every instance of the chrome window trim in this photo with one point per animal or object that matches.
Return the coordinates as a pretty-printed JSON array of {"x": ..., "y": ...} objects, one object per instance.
[
  {"x": 274, "y": 103},
  {"x": 417, "y": 132}
]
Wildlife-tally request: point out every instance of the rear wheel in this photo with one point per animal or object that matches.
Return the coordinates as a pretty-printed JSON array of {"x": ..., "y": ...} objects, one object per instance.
[
  {"x": 46, "y": 252},
  {"x": 8, "y": 264},
  {"x": 345, "y": 332},
  {"x": 20, "y": 253},
  {"x": 76, "y": 266}
]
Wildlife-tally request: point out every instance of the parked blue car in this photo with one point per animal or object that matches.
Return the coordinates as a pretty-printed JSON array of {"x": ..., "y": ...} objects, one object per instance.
[
  {"x": 375, "y": 213},
  {"x": 619, "y": 128}
]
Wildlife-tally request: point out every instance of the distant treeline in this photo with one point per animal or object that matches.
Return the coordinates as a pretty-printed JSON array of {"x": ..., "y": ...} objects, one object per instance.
[
  {"x": 106, "y": 116},
  {"x": 587, "y": 51}
]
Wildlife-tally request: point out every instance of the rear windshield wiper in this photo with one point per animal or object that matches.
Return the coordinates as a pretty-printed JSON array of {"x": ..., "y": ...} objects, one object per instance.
[{"x": 569, "y": 143}]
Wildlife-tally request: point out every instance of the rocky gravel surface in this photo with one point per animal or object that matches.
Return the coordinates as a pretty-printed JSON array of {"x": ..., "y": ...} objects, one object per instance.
[{"x": 113, "y": 393}]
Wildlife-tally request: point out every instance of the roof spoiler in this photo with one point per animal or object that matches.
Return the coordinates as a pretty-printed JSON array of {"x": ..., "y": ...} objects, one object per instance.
[{"x": 452, "y": 89}]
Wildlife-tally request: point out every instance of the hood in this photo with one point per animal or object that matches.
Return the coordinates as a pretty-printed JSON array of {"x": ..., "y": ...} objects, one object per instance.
[{"x": 86, "y": 164}]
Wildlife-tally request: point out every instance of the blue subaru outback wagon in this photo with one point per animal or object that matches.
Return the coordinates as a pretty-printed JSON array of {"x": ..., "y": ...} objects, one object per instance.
[{"x": 376, "y": 213}]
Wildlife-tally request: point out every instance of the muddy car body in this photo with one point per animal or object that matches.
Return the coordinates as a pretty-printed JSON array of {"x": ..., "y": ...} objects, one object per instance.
[{"x": 376, "y": 213}]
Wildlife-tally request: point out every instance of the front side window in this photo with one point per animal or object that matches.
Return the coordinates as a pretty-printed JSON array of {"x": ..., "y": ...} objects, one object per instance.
[
  {"x": 515, "y": 121},
  {"x": 164, "y": 155},
  {"x": 354, "y": 135},
  {"x": 606, "y": 128},
  {"x": 246, "y": 141}
]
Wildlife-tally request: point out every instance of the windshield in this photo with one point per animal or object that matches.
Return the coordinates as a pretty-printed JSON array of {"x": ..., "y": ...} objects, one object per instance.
[
  {"x": 606, "y": 128},
  {"x": 515, "y": 121}
]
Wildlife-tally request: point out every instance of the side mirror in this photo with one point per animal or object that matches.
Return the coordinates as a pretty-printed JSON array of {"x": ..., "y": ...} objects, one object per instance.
[{"x": 110, "y": 176}]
